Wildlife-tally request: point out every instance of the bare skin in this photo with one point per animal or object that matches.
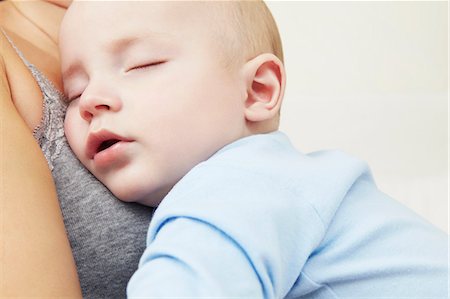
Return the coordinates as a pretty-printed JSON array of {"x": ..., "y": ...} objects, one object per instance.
[{"x": 35, "y": 255}]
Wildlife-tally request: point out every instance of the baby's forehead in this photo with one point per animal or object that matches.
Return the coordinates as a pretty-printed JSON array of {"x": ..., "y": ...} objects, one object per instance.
[
  {"x": 97, "y": 25},
  {"x": 194, "y": 11},
  {"x": 113, "y": 17}
]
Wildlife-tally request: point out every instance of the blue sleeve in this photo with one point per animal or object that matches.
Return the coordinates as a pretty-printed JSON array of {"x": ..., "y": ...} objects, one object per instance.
[
  {"x": 228, "y": 239},
  {"x": 191, "y": 258}
]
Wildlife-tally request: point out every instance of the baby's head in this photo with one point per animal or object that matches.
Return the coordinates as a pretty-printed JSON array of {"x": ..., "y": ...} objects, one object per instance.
[{"x": 157, "y": 87}]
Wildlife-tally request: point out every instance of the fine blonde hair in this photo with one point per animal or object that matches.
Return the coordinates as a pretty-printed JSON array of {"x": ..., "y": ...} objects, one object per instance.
[{"x": 245, "y": 29}]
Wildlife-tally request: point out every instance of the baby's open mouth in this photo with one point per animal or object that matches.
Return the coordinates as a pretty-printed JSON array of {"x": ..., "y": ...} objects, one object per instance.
[
  {"x": 102, "y": 140},
  {"x": 106, "y": 144}
]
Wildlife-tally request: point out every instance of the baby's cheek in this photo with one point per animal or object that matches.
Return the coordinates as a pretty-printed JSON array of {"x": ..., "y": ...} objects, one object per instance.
[{"x": 74, "y": 131}]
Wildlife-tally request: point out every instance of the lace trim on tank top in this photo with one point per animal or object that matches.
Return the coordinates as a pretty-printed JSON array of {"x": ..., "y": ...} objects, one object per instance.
[{"x": 50, "y": 131}]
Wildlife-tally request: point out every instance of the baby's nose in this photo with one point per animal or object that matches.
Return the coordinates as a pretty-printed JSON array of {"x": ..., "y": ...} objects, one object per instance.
[
  {"x": 93, "y": 104},
  {"x": 87, "y": 112}
]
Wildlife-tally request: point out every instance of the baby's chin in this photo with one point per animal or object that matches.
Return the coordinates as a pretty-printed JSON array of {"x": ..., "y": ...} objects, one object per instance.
[{"x": 151, "y": 198}]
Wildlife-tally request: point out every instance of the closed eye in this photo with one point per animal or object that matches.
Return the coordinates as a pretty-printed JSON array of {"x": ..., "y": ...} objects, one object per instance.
[
  {"x": 146, "y": 65},
  {"x": 71, "y": 99}
]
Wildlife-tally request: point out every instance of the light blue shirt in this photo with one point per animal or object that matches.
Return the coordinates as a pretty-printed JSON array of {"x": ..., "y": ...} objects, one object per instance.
[{"x": 261, "y": 220}]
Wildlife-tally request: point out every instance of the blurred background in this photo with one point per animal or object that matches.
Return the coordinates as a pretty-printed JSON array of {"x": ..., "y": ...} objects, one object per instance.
[{"x": 371, "y": 78}]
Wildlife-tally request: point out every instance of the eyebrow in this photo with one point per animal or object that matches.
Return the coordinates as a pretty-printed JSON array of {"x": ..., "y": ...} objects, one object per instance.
[{"x": 120, "y": 44}]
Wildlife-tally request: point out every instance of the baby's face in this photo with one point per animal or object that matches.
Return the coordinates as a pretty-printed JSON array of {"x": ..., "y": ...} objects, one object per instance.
[{"x": 149, "y": 98}]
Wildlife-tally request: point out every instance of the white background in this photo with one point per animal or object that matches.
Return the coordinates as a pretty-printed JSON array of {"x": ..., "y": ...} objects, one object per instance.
[{"x": 371, "y": 78}]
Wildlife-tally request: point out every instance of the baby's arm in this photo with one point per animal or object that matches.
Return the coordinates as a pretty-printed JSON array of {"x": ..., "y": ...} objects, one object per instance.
[
  {"x": 191, "y": 258},
  {"x": 35, "y": 255},
  {"x": 217, "y": 238}
]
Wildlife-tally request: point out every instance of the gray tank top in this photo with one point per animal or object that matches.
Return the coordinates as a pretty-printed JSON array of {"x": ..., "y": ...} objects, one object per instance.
[{"x": 107, "y": 236}]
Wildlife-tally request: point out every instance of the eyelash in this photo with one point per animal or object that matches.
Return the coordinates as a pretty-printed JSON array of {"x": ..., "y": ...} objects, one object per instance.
[
  {"x": 70, "y": 100},
  {"x": 146, "y": 65}
]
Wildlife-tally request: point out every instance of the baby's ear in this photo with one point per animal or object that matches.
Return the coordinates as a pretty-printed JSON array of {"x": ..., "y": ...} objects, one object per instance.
[{"x": 265, "y": 82}]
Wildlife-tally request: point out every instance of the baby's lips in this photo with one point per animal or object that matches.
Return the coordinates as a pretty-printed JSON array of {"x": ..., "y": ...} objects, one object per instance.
[{"x": 95, "y": 139}]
